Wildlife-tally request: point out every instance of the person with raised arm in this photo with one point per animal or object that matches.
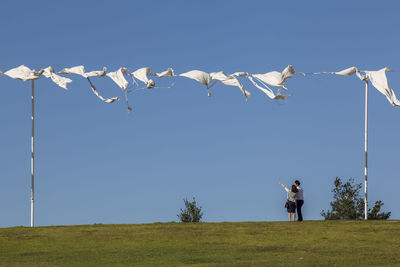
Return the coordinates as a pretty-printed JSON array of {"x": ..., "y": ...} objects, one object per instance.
[{"x": 291, "y": 199}]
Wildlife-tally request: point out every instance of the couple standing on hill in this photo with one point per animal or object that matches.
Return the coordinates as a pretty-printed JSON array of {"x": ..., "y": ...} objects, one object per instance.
[{"x": 294, "y": 201}]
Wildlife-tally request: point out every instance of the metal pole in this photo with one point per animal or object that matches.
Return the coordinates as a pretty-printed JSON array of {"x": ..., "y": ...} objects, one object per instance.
[
  {"x": 366, "y": 152},
  {"x": 32, "y": 154}
]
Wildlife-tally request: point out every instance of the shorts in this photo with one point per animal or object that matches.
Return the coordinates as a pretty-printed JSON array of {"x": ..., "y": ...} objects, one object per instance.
[{"x": 292, "y": 207}]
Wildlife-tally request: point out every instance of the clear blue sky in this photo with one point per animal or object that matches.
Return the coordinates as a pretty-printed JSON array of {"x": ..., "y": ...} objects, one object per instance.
[{"x": 97, "y": 164}]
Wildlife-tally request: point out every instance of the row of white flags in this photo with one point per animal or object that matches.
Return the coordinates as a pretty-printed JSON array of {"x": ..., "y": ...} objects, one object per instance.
[{"x": 264, "y": 82}]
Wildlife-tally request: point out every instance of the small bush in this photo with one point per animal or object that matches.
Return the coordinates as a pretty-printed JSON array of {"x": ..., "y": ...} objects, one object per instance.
[
  {"x": 191, "y": 213},
  {"x": 348, "y": 205}
]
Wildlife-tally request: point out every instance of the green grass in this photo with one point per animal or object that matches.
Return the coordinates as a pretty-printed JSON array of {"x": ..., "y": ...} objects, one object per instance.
[{"x": 310, "y": 243}]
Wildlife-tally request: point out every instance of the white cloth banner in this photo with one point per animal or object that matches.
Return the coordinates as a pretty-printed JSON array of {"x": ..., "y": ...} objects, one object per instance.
[
  {"x": 268, "y": 91},
  {"x": 275, "y": 78},
  {"x": 261, "y": 81},
  {"x": 77, "y": 70},
  {"x": 206, "y": 79},
  {"x": 379, "y": 81},
  {"x": 118, "y": 78},
  {"x": 200, "y": 76},
  {"x": 60, "y": 81},
  {"x": 141, "y": 75},
  {"x": 23, "y": 73},
  {"x": 346, "y": 72},
  {"x": 167, "y": 73},
  {"x": 94, "y": 90},
  {"x": 230, "y": 80},
  {"x": 80, "y": 70}
]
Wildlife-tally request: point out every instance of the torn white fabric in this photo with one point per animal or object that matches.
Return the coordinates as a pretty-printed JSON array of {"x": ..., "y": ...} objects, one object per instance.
[
  {"x": 168, "y": 72},
  {"x": 379, "y": 81},
  {"x": 77, "y": 70},
  {"x": 346, "y": 72},
  {"x": 80, "y": 70},
  {"x": 200, "y": 76},
  {"x": 141, "y": 74},
  {"x": 240, "y": 73},
  {"x": 275, "y": 78},
  {"x": 377, "y": 78},
  {"x": 97, "y": 73},
  {"x": 268, "y": 91},
  {"x": 118, "y": 78},
  {"x": 230, "y": 80},
  {"x": 23, "y": 73},
  {"x": 60, "y": 81},
  {"x": 94, "y": 90}
]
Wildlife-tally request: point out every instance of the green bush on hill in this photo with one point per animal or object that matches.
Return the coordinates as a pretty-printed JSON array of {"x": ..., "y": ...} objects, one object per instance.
[
  {"x": 348, "y": 205},
  {"x": 191, "y": 213}
]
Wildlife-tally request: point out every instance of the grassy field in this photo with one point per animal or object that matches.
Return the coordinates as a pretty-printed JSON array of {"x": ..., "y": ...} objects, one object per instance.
[{"x": 310, "y": 243}]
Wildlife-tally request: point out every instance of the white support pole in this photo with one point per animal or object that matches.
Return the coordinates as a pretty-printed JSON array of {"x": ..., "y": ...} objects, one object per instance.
[
  {"x": 366, "y": 152},
  {"x": 32, "y": 154}
]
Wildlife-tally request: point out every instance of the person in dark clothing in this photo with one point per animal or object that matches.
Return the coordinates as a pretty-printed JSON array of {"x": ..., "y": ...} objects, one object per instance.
[{"x": 300, "y": 200}]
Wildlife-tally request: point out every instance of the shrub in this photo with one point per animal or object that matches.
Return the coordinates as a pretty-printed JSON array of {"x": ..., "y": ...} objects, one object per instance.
[
  {"x": 191, "y": 213},
  {"x": 347, "y": 205}
]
